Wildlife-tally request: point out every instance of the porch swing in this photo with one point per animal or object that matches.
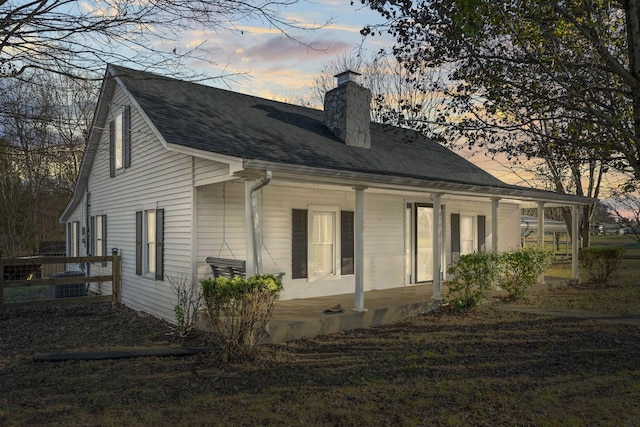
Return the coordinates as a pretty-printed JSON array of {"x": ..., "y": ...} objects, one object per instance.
[{"x": 231, "y": 267}]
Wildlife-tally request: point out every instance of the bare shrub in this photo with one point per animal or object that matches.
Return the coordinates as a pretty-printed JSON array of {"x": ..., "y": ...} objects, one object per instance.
[
  {"x": 189, "y": 301},
  {"x": 601, "y": 264}
]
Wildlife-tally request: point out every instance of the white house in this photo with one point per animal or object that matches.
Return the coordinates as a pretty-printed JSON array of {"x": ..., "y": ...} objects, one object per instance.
[{"x": 175, "y": 172}]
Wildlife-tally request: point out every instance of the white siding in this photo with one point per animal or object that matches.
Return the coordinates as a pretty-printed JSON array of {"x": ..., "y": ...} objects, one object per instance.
[
  {"x": 207, "y": 171},
  {"x": 79, "y": 215},
  {"x": 278, "y": 202},
  {"x": 158, "y": 178},
  {"x": 508, "y": 227},
  {"x": 221, "y": 233},
  {"x": 384, "y": 241},
  {"x": 220, "y": 218}
]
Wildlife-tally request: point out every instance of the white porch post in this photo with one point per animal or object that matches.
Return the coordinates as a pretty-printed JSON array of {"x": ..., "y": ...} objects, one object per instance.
[
  {"x": 437, "y": 256},
  {"x": 575, "y": 217},
  {"x": 248, "y": 229},
  {"x": 541, "y": 233},
  {"x": 494, "y": 223},
  {"x": 359, "y": 250}
]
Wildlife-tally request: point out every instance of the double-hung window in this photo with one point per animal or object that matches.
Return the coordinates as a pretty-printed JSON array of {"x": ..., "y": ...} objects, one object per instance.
[
  {"x": 120, "y": 140},
  {"x": 322, "y": 242},
  {"x": 468, "y": 234},
  {"x": 150, "y": 243},
  {"x": 99, "y": 236}
]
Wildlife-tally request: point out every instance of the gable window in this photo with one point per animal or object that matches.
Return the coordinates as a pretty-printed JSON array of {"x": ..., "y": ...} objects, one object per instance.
[
  {"x": 316, "y": 249},
  {"x": 150, "y": 243},
  {"x": 73, "y": 238},
  {"x": 120, "y": 140}
]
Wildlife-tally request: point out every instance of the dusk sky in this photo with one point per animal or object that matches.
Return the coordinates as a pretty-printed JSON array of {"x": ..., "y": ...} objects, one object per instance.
[{"x": 278, "y": 67}]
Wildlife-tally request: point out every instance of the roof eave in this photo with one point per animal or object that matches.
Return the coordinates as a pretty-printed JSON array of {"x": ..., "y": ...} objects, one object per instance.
[{"x": 400, "y": 182}]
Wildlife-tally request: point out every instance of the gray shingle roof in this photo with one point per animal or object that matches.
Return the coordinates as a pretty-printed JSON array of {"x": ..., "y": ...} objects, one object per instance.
[{"x": 220, "y": 121}]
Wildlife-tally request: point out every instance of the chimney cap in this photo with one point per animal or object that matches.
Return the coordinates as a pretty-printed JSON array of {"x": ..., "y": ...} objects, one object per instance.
[{"x": 347, "y": 76}]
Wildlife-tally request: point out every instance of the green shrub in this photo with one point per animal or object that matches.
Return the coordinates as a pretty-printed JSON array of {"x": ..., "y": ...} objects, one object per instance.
[
  {"x": 473, "y": 275},
  {"x": 238, "y": 310},
  {"x": 520, "y": 270},
  {"x": 600, "y": 264}
]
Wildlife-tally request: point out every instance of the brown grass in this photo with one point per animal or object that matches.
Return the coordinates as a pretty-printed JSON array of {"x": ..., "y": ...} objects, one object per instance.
[{"x": 487, "y": 367}]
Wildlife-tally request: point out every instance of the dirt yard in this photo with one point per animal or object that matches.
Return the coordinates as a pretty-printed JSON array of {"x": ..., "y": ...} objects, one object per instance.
[{"x": 488, "y": 367}]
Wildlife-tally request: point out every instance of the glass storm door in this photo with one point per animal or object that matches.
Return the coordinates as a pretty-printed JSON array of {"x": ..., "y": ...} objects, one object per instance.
[{"x": 424, "y": 243}]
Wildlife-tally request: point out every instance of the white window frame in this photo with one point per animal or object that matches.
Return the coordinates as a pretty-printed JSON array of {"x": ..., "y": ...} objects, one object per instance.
[
  {"x": 313, "y": 212},
  {"x": 149, "y": 242}
]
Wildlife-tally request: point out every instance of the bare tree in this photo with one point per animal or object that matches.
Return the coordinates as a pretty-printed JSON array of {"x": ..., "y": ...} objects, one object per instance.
[
  {"x": 43, "y": 125},
  {"x": 626, "y": 206},
  {"x": 78, "y": 38}
]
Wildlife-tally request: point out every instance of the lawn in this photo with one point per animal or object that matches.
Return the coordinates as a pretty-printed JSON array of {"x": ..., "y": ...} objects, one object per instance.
[{"x": 487, "y": 367}]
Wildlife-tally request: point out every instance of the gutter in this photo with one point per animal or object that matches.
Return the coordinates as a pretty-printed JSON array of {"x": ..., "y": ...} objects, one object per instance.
[{"x": 256, "y": 227}]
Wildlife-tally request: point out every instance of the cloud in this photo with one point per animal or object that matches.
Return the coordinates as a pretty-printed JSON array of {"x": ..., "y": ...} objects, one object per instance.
[
  {"x": 280, "y": 67},
  {"x": 280, "y": 48}
]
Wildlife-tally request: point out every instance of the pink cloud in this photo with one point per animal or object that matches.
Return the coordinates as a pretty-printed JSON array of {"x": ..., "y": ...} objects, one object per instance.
[{"x": 279, "y": 48}]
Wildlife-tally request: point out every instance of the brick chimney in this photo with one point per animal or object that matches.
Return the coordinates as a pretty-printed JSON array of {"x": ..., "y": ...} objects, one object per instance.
[{"x": 346, "y": 110}]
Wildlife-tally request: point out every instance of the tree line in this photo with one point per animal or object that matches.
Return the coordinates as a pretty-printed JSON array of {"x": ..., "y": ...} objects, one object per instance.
[{"x": 44, "y": 119}]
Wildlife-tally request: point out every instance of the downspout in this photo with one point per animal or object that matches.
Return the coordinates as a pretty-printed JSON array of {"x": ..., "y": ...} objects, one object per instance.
[{"x": 256, "y": 227}]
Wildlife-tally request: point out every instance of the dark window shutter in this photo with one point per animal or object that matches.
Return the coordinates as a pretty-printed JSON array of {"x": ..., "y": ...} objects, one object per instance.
[
  {"x": 482, "y": 233},
  {"x": 91, "y": 236},
  {"x": 112, "y": 149},
  {"x": 77, "y": 238},
  {"x": 69, "y": 237},
  {"x": 104, "y": 238},
  {"x": 299, "y": 245},
  {"x": 455, "y": 234},
  {"x": 347, "y": 237},
  {"x": 126, "y": 135},
  {"x": 139, "y": 243},
  {"x": 159, "y": 244}
]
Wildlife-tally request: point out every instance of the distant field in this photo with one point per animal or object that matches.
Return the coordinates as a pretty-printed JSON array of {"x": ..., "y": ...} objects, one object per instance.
[{"x": 630, "y": 245}]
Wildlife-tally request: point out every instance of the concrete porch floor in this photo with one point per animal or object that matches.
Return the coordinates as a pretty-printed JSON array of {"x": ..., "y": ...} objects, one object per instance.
[{"x": 300, "y": 318}]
